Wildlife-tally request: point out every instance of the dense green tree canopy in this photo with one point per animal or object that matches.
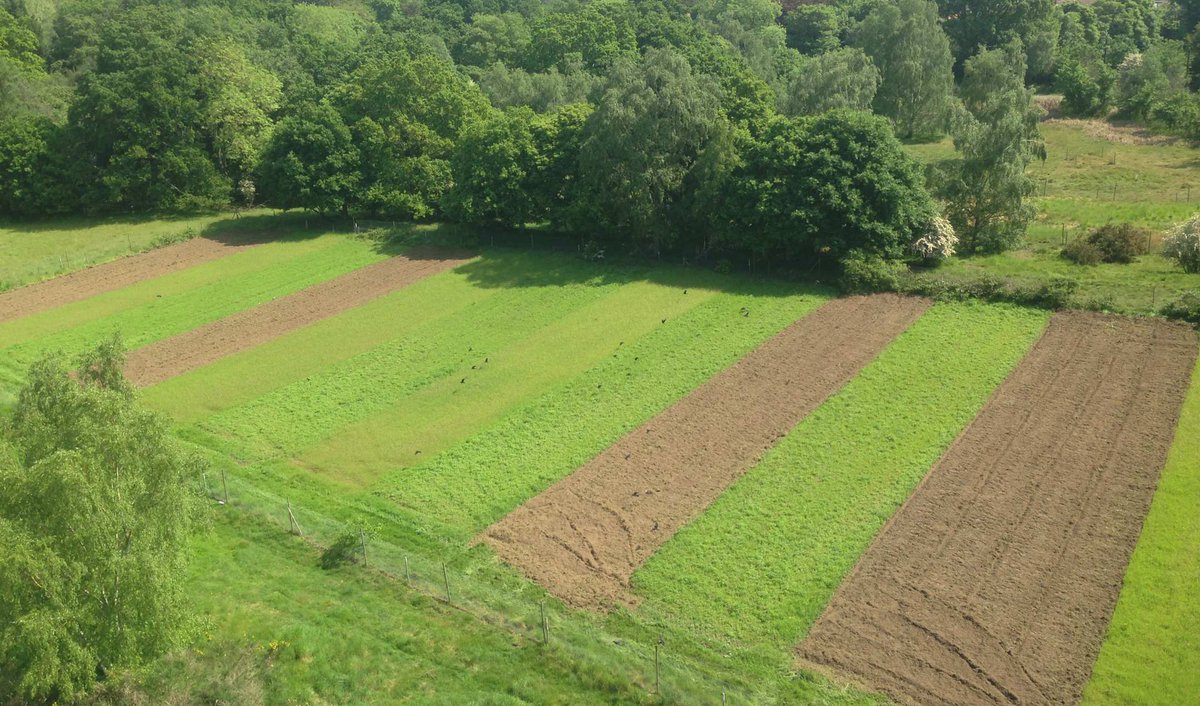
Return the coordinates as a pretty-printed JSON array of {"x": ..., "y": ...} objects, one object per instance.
[
  {"x": 98, "y": 505},
  {"x": 906, "y": 43},
  {"x": 825, "y": 187}
]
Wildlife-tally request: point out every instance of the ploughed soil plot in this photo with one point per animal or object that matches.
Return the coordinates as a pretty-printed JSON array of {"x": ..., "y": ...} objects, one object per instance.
[
  {"x": 585, "y": 536},
  {"x": 995, "y": 582},
  {"x": 247, "y": 329},
  {"x": 110, "y": 276}
]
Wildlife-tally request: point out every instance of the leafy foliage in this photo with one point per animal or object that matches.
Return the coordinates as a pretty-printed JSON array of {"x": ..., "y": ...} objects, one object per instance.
[
  {"x": 825, "y": 187},
  {"x": 905, "y": 41},
  {"x": 988, "y": 190},
  {"x": 1183, "y": 245},
  {"x": 97, "y": 510}
]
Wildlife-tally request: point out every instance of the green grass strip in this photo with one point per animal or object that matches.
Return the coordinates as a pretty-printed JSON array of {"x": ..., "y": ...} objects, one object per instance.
[
  {"x": 1152, "y": 652},
  {"x": 475, "y": 483},
  {"x": 310, "y": 411},
  {"x": 168, "y": 316},
  {"x": 240, "y": 378},
  {"x": 760, "y": 564},
  {"x": 450, "y": 410},
  {"x": 145, "y": 293}
]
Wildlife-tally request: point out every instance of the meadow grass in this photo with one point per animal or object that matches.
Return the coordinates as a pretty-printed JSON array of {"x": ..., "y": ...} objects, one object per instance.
[
  {"x": 143, "y": 294},
  {"x": 456, "y": 406},
  {"x": 759, "y": 565},
  {"x": 313, "y": 262},
  {"x": 1087, "y": 182},
  {"x": 300, "y": 355},
  {"x": 1151, "y": 655},
  {"x": 475, "y": 483},
  {"x": 37, "y": 250},
  {"x": 305, "y": 413},
  {"x": 352, "y": 636}
]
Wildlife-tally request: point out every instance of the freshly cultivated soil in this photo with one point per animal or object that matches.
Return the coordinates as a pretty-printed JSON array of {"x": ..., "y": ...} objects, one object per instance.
[
  {"x": 995, "y": 582},
  {"x": 585, "y": 536},
  {"x": 110, "y": 276},
  {"x": 252, "y": 327}
]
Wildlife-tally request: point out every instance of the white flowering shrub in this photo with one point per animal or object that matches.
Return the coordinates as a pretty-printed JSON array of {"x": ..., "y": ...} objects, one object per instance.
[
  {"x": 1183, "y": 245},
  {"x": 938, "y": 242}
]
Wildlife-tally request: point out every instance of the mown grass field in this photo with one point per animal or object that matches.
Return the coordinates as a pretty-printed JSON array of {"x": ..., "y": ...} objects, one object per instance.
[
  {"x": 506, "y": 374},
  {"x": 1088, "y": 181}
]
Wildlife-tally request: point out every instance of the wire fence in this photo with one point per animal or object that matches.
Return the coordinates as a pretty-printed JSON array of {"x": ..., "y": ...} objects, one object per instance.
[{"x": 647, "y": 671}]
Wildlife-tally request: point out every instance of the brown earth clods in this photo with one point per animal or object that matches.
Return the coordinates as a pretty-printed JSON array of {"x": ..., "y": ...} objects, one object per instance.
[
  {"x": 110, "y": 276},
  {"x": 585, "y": 536},
  {"x": 995, "y": 582},
  {"x": 252, "y": 327}
]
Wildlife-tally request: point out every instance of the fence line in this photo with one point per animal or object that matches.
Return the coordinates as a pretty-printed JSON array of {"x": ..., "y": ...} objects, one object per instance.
[{"x": 652, "y": 670}]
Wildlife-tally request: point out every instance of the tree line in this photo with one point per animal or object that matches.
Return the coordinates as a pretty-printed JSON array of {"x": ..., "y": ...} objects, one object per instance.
[{"x": 715, "y": 128}]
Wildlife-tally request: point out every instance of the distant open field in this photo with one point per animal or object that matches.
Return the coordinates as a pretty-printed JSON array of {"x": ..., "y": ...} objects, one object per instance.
[
  {"x": 1091, "y": 177},
  {"x": 710, "y": 455}
]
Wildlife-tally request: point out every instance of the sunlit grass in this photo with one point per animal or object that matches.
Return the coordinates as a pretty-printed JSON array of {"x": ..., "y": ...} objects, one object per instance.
[{"x": 758, "y": 566}]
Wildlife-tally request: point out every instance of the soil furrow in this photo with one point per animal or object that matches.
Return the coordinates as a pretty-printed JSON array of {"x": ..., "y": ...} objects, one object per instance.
[
  {"x": 252, "y": 327},
  {"x": 110, "y": 276},
  {"x": 1012, "y": 551},
  {"x": 626, "y": 502}
]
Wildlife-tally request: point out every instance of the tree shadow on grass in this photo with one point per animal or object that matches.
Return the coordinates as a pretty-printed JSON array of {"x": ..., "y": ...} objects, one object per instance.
[{"x": 532, "y": 258}]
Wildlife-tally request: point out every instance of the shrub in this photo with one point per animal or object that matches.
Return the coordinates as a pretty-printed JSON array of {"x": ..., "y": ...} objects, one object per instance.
[
  {"x": 1120, "y": 243},
  {"x": 869, "y": 273},
  {"x": 343, "y": 549},
  {"x": 938, "y": 242},
  {"x": 1055, "y": 294},
  {"x": 1183, "y": 245},
  {"x": 1185, "y": 308},
  {"x": 1081, "y": 251}
]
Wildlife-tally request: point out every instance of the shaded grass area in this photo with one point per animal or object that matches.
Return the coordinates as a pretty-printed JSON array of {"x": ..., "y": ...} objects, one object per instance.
[
  {"x": 304, "y": 264},
  {"x": 1084, "y": 183},
  {"x": 1152, "y": 650},
  {"x": 761, "y": 563},
  {"x": 32, "y": 251},
  {"x": 454, "y": 407}
]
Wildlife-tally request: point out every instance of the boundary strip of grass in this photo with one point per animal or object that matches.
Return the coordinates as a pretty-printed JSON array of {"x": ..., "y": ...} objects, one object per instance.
[
  {"x": 1152, "y": 652},
  {"x": 761, "y": 563}
]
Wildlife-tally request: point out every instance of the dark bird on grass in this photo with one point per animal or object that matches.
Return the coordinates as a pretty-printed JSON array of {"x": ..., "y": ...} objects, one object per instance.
[
  {"x": 474, "y": 367},
  {"x": 664, "y": 321},
  {"x": 685, "y": 291},
  {"x": 485, "y": 360},
  {"x": 462, "y": 381},
  {"x": 418, "y": 452}
]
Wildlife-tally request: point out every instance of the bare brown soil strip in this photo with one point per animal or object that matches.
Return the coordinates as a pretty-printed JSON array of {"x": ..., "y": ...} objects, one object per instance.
[
  {"x": 995, "y": 582},
  {"x": 110, "y": 276},
  {"x": 252, "y": 327},
  {"x": 585, "y": 536}
]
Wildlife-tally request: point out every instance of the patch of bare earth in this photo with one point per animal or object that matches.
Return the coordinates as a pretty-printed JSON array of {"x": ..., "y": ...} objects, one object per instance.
[
  {"x": 246, "y": 329},
  {"x": 584, "y": 537},
  {"x": 111, "y": 276},
  {"x": 995, "y": 582}
]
